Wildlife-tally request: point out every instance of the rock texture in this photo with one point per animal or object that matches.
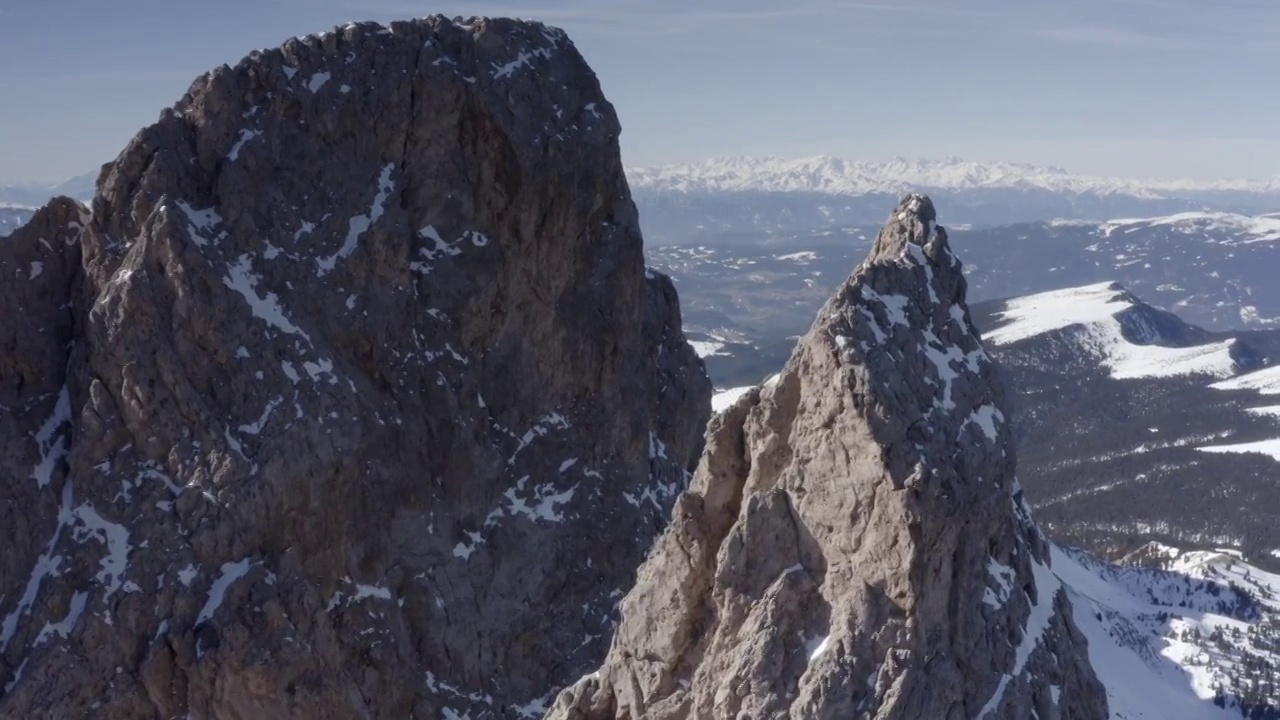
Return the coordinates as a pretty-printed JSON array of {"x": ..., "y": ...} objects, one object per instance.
[
  {"x": 854, "y": 542},
  {"x": 351, "y": 399}
]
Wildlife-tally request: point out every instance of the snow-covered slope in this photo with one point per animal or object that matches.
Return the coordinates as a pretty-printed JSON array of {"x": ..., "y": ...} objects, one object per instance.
[
  {"x": 825, "y": 174},
  {"x": 1263, "y": 382},
  {"x": 722, "y": 399},
  {"x": 1108, "y": 320},
  {"x": 1182, "y": 641},
  {"x": 1226, "y": 228}
]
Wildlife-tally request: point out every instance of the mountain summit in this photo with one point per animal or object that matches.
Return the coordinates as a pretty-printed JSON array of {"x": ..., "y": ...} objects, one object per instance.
[
  {"x": 854, "y": 542},
  {"x": 351, "y": 398}
]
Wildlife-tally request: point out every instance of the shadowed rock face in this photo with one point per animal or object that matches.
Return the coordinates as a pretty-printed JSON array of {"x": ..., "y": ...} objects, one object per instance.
[
  {"x": 854, "y": 543},
  {"x": 352, "y": 399}
]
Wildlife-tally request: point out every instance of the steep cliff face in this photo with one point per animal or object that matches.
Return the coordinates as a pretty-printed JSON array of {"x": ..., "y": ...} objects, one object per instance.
[
  {"x": 352, "y": 398},
  {"x": 854, "y": 542}
]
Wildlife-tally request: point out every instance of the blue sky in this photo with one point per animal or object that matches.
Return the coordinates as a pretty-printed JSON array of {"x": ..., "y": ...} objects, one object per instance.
[{"x": 1158, "y": 88}]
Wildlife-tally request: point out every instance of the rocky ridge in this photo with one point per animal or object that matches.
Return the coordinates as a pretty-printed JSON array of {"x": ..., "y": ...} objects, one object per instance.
[
  {"x": 350, "y": 397},
  {"x": 854, "y": 542}
]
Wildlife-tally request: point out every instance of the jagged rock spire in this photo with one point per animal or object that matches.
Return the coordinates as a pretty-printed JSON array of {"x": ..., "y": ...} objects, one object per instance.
[
  {"x": 854, "y": 543},
  {"x": 911, "y": 222}
]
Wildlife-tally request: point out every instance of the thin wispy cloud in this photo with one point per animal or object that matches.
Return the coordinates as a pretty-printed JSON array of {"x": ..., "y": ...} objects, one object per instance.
[
  {"x": 1132, "y": 24},
  {"x": 42, "y": 76},
  {"x": 664, "y": 17},
  {"x": 1172, "y": 24},
  {"x": 1115, "y": 37}
]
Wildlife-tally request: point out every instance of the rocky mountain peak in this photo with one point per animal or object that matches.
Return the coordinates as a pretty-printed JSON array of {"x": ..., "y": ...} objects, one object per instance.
[
  {"x": 351, "y": 399},
  {"x": 854, "y": 541},
  {"x": 911, "y": 222}
]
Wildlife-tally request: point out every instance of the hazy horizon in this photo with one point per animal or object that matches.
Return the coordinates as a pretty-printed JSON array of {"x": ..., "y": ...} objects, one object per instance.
[{"x": 1157, "y": 89}]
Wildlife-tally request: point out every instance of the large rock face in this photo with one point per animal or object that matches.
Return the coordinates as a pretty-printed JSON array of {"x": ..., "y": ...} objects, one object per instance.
[
  {"x": 353, "y": 399},
  {"x": 854, "y": 543}
]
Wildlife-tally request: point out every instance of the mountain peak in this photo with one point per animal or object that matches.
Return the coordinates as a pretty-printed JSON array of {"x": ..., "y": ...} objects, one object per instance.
[
  {"x": 910, "y": 223},
  {"x": 854, "y": 543},
  {"x": 319, "y": 413}
]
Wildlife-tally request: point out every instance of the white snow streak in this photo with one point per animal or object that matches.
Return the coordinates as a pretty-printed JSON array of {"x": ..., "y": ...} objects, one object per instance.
[
  {"x": 245, "y": 136},
  {"x": 114, "y": 537},
  {"x": 706, "y": 348},
  {"x": 64, "y": 627},
  {"x": 201, "y": 223},
  {"x": 241, "y": 278},
  {"x": 523, "y": 59},
  {"x": 317, "y": 81},
  {"x": 52, "y": 440},
  {"x": 229, "y": 573},
  {"x": 1261, "y": 447},
  {"x": 256, "y": 427},
  {"x": 543, "y": 503},
  {"x": 816, "y": 646},
  {"x": 1264, "y": 382},
  {"x": 1047, "y": 586},
  {"x": 358, "y": 225},
  {"x": 47, "y": 565},
  {"x": 986, "y": 418}
]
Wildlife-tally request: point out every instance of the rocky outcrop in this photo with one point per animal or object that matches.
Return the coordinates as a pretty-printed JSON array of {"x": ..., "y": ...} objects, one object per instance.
[
  {"x": 854, "y": 542},
  {"x": 351, "y": 399}
]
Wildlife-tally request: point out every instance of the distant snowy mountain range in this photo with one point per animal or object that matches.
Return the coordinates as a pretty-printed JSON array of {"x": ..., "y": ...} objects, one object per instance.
[
  {"x": 19, "y": 201},
  {"x": 725, "y": 198},
  {"x": 826, "y": 174},
  {"x": 33, "y": 195}
]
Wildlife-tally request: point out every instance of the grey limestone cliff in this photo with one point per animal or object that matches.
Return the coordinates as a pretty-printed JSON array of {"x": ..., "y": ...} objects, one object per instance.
[{"x": 350, "y": 396}]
